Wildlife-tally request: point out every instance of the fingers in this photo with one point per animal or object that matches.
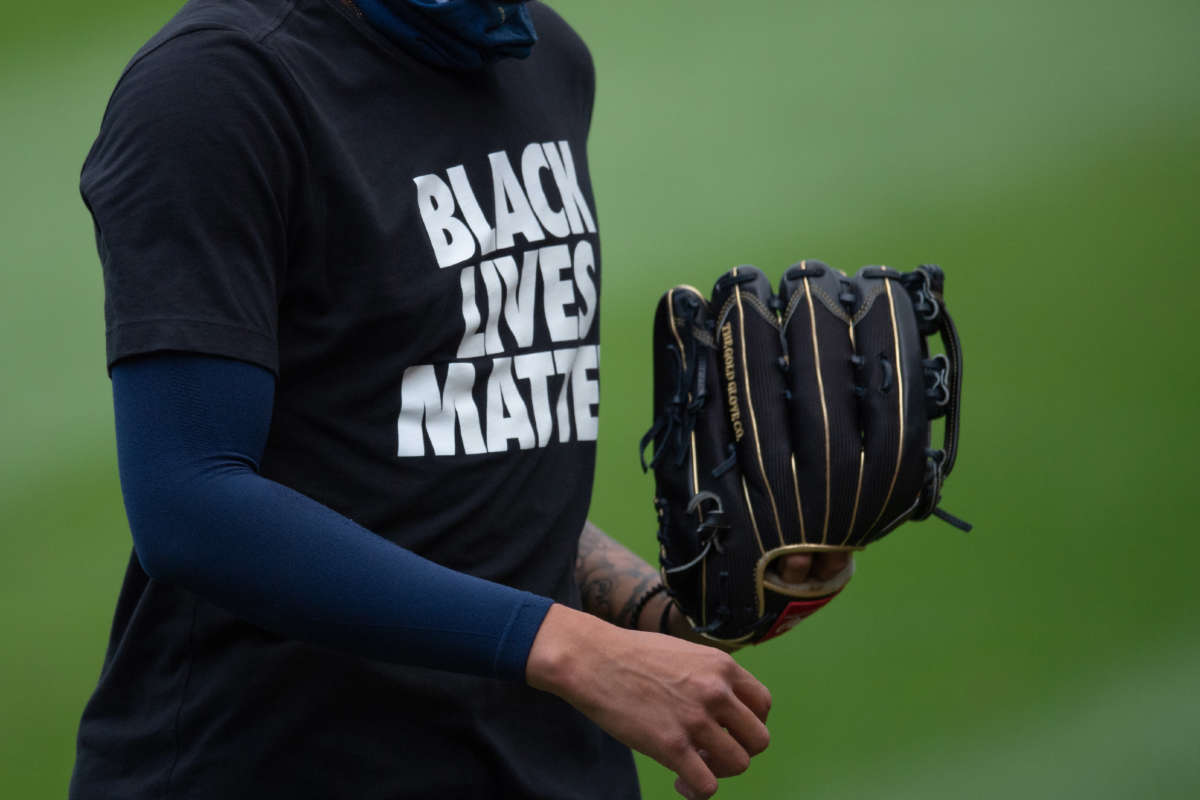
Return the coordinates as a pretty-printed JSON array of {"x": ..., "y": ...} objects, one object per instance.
[
  {"x": 830, "y": 564},
  {"x": 695, "y": 780},
  {"x": 688, "y": 792},
  {"x": 735, "y": 729},
  {"x": 799, "y": 567},
  {"x": 722, "y": 752},
  {"x": 794, "y": 568},
  {"x": 752, "y": 693},
  {"x": 746, "y": 728},
  {"x": 665, "y": 697},
  {"x": 724, "y": 756},
  {"x": 707, "y": 790},
  {"x": 726, "y": 733}
]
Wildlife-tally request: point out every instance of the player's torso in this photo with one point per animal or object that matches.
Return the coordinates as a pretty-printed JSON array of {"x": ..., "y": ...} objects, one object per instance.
[
  {"x": 438, "y": 346},
  {"x": 438, "y": 327}
]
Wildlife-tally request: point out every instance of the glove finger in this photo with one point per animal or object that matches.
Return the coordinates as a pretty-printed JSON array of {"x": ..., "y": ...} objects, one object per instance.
[
  {"x": 681, "y": 367},
  {"x": 697, "y": 464},
  {"x": 753, "y": 368},
  {"x": 821, "y": 378},
  {"x": 892, "y": 405}
]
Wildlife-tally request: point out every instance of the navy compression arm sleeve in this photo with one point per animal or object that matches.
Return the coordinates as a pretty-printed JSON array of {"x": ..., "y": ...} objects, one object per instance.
[{"x": 190, "y": 432}]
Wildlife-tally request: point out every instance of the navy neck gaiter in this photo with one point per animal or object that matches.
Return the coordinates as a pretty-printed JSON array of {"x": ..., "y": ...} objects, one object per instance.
[{"x": 456, "y": 34}]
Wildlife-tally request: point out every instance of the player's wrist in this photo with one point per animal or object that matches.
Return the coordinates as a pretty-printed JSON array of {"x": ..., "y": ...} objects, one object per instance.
[{"x": 551, "y": 665}]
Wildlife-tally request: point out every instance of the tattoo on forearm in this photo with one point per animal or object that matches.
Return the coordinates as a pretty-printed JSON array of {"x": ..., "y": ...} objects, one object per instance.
[{"x": 611, "y": 577}]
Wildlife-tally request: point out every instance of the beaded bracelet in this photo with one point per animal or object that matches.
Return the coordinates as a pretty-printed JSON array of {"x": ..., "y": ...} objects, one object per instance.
[{"x": 641, "y": 604}]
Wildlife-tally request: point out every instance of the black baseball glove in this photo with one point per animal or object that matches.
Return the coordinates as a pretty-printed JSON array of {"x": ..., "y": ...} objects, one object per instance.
[{"x": 790, "y": 423}]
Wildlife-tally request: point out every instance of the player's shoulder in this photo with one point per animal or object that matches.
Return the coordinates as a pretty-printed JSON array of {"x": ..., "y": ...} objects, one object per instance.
[
  {"x": 249, "y": 19},
  {"x": 207, "y": 36},
  {"x": 561, "y": 51},
  {"x": 549, "y": 22},
  {"x": 205, "y": 75},
  {"x": 556, "y": 34},
  {"x": 209, "y": 46}
]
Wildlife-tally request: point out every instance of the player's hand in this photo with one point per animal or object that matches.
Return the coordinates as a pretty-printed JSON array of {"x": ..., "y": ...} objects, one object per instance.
[{"x": 691, "y": 708}]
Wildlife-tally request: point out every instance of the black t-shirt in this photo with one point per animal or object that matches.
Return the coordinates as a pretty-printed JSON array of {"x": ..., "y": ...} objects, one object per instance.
[{"x": 414, "y": 253}]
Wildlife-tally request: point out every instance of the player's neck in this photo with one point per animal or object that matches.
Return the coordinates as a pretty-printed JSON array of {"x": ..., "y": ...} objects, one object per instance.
[{"x": 454, "y": 34}]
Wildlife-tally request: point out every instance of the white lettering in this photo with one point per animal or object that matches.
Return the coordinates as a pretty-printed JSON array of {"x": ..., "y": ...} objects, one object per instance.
[
  {"x": 537, "y": 368},
  {"x": 494, "y": 294},
  {"x": 562, "y": 166},
  {"x": 585, "y": 280},
  {"x": 421, "y": 401},
  {"x": 435, "y": 414},
  {"x": 452, "y": 242},
  {"x": 585, "y": 391},
  {"x": 472, "y": 339},
  {"x": 557, "y": 292},
  {"x": 507, "y": 417},
  {"x": 538, "y": 294},
  {"x": 533, "y": 161},
  {"x": 484, "y": 233},
  {"x": 519, "y": 295},
  {"x": 563, "y": 361},
  {"x": 513, "y": 214}
]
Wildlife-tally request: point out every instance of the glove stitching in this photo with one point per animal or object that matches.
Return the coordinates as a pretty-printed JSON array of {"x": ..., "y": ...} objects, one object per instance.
[
  {"x": 834, "y": 307},
  {"x": 763, "y": 311},
  {"x": 795, "y": 299},
  {"x": 865, "y": 308},
  {"x": 704, "y": 337}
]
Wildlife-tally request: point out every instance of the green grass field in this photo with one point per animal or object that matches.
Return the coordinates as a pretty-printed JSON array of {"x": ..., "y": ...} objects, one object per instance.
[{"x": 1045, "y": 153}]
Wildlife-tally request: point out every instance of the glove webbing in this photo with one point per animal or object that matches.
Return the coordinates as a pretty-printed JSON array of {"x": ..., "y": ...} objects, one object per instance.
[
  {"x": 679, "y": 416},
  {"x": 925, "y": 286}
]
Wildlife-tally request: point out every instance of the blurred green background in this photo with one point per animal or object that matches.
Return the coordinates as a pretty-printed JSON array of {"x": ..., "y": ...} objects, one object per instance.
[{"x": 1044, "y": 152}]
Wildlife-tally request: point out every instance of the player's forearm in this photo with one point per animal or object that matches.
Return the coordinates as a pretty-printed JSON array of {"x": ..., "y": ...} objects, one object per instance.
[
  {"x": 190, "y": 432},
  {"x": 612, "y": 579}
]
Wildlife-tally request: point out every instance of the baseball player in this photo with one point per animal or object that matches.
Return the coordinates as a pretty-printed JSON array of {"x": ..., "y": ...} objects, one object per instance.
[{"x": 352, "y": 273}]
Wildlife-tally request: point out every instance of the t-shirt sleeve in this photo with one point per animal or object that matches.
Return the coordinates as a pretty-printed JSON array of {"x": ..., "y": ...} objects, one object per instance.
[{"x": 190, "y": 185}]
